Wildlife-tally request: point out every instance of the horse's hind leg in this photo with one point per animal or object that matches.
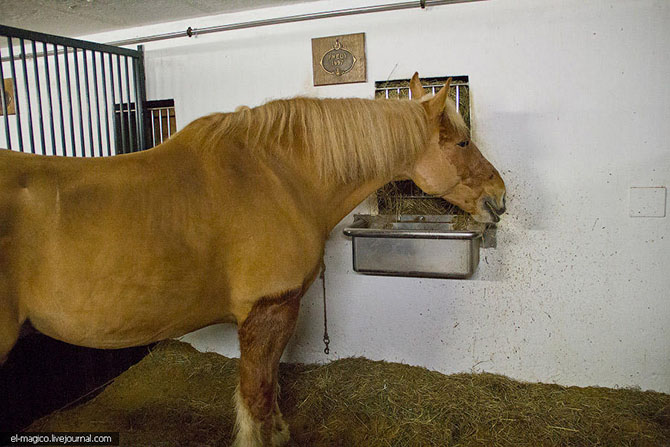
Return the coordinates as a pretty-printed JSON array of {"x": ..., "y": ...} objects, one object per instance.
[{"x": 263, "y": 337}]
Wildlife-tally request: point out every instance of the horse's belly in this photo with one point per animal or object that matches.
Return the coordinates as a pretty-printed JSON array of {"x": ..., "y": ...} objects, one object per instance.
[{"x": 121, "y": 315}]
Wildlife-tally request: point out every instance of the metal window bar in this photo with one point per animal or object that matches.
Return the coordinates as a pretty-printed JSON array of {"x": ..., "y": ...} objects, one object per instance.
[
  {"x": 162, "y": 117},
  {"x": 60, "y": 101},
  {"x": 51, "y": 106},
  {"x": 27, "y": 93},
  {"x": 75, "y": 75},
  {"x": 5, "y": 109}
]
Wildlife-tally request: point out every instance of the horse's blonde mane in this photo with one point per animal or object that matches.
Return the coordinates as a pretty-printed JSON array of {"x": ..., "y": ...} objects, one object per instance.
[
  {"x": 456, "y": 120},
  {"x": 345, "y": 139}
]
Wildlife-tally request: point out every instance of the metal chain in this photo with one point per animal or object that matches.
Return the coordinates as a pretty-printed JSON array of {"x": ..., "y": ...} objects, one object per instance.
[{"x": 326, "y": 339}]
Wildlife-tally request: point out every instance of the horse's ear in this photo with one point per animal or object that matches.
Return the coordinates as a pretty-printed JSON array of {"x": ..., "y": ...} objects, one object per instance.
[
  {"x": 415, "y": 87},
  {"x": 437, "y": 103}
]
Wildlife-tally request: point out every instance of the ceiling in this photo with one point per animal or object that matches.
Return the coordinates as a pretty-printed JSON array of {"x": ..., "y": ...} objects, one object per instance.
[{"x": 74, "y": 18}]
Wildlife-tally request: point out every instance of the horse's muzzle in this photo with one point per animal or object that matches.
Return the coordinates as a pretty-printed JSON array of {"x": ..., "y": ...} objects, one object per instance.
[{"x": 496, "y": 210}]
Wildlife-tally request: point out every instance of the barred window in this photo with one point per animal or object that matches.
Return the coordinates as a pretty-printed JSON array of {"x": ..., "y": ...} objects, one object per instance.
[
  {"x": 158, "y": 127},
  {"x": 404, "y": 197}
]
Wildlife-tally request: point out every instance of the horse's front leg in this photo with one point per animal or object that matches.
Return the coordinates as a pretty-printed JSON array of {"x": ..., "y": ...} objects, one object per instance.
[{"x": 263, "y": 336}]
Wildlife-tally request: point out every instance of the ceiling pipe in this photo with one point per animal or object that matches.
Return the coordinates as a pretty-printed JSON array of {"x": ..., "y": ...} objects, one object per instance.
[{"x": 190, "y": 32}]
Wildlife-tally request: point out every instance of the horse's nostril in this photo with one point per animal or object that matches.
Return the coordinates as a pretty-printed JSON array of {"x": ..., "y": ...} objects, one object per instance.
[{"x": 490, "y": 203}]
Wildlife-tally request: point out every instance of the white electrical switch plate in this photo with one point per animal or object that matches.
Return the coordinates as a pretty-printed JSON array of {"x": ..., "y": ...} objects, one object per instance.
[{"x": 647, "y": 201}]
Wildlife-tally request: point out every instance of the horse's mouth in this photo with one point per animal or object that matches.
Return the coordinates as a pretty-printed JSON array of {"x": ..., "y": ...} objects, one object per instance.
[{"x": 493, "y": 210}]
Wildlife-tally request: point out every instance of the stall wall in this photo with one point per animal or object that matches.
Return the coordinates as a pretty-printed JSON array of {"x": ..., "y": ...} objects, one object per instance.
[{"x": 570, "y": 102}]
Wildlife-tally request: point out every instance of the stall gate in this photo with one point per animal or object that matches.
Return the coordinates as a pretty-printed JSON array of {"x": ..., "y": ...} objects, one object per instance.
[{"x": 70, "y": 97}]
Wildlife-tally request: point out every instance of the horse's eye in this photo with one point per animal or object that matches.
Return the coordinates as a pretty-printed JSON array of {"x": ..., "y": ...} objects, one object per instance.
[{"x": 463, "y": 143}]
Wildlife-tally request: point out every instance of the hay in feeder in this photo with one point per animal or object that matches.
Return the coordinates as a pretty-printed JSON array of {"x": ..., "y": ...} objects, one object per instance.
[
  {"x": 405, "y": 198},
  {"x": 177, "y": 396}
]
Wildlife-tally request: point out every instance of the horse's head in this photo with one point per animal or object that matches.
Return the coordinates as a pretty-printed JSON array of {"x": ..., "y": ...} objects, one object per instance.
[{"x": 452, "y": 167}]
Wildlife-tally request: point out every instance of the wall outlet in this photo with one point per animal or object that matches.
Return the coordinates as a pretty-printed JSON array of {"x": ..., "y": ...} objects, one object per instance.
[{"x": 647, "y": 201}]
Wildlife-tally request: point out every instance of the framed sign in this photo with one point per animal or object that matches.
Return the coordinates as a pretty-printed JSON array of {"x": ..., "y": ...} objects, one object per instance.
[
  {"x": 339, "y": 59},
  {"x": 8, "y": 85}
]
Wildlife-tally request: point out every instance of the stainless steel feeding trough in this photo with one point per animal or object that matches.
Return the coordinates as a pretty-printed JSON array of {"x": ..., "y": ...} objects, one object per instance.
[{"x": 426, "y": 246}]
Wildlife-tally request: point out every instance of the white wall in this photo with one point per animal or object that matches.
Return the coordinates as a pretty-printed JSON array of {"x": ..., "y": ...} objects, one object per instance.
[{"x": 570, "y": 101}]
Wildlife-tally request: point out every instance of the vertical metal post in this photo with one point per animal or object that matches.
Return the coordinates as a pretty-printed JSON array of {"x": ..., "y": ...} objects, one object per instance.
[
  {"x": 124, "y": 145},
  {"x": 69, "y": 95},
  {"x": 458, "y": 100},
  {"x": 153, "y": 128},
  {"x": 39, "y": 98},
  {"x": 25, "y": 80},
  {"x": 104, "y": 94},
  {"x": 160, "y": 124},
  {"x": 111, "y": 83},
  {"x": 81, "y": 112},
  {"x": 51, "y": 109},
  {"x": 140, "y": 97},
  {"x": 60, "y": 102},
  {"x": 131, "y": 137},
  {"x": 97, "y": 101},
  {"x": 10, "y": 47},
  {"x": 3, "y": 98},
  {"x": 88, "y": 103}
]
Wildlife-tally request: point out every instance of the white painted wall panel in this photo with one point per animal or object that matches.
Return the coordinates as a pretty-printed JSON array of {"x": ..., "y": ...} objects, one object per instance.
[{"x": 569, "y": 100}]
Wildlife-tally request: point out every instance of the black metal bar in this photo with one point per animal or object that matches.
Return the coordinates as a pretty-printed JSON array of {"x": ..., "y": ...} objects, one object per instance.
[
  {"x": 97, "y": 101},
  {"x": 39, "y": 100},
  {"x": 121, "y": 121},
  {"x": 65, "y": 41},
  {"x": 160, "y": 124},
  {"x": 106, "y": 109},
  {"x": 140, "y": 97},
  {"x": 10, "y": 47},
  {"x": 51, "y": 108},
  {"x": 156, "y": 103},
  {"x": 69, "y": 96},
  {"x": 111, "y": 84},
  {"x": 25, "y": 80},
  {"x": 153, "y": 128},
  {"x": 88, "y": 103},
  {"x": 131, "y": 137},
  {"x": 81, "y": 113},
  {"x": 3, "y": 98},
  {"x": 60, "y": 100}
]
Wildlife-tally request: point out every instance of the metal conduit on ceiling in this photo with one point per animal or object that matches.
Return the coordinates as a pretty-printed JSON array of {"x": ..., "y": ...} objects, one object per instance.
[{"x": 190, "y": 32}]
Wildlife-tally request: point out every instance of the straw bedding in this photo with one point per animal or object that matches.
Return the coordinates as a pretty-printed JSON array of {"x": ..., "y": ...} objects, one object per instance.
[{"x": 177, "y": 396}]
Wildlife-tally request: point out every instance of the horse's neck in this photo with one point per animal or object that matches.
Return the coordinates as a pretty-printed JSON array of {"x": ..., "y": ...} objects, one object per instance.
[
  {"x": 335, "y": 200},
  {"x": 342, "y": 199}
]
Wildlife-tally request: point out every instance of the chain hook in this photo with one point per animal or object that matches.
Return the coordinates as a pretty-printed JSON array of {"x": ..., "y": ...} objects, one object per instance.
[{"x": 326, "y": 338}]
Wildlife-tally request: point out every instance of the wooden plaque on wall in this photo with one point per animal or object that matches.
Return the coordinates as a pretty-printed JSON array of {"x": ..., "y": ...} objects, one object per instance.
[{"x": 339, "y": 59}]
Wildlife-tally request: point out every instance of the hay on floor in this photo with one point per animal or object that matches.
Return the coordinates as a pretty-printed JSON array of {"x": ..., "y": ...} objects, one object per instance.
[{"x": 177, "y": 396}]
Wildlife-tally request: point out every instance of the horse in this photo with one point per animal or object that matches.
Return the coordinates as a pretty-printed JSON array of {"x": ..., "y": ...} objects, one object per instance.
[{"x": 224, "y": 222}]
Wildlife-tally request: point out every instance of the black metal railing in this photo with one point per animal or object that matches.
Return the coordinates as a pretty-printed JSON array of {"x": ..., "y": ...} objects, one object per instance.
[{"x": 73, "y": 98}]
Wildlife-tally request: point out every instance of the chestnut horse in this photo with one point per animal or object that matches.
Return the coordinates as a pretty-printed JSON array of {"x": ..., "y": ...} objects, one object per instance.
[{"x": 224, "y": 222}]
